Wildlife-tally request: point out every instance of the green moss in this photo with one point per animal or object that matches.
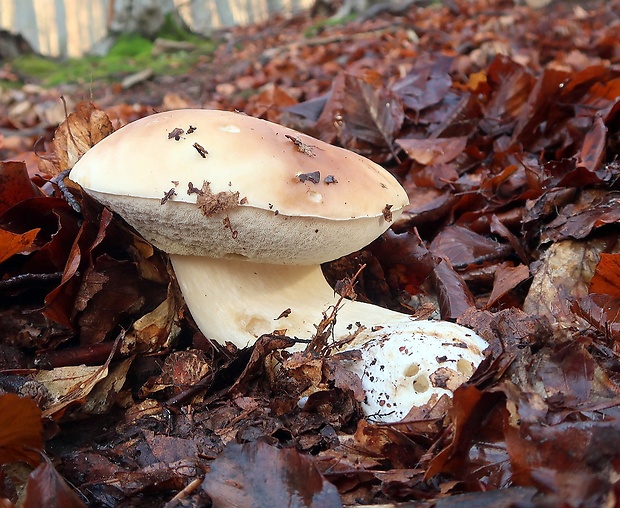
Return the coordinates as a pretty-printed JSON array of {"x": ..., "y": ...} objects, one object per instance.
[
  {"x": 130, "y": 45},
  {"x": 171, "y": 30},
  {"x": 319, "y": 26},
  {"x": 130, "y": 53},
  {"x": 9, "y": 85}
]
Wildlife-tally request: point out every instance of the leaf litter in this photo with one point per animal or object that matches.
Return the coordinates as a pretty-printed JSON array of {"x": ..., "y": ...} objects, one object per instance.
[{"x": 502, "y": 124}]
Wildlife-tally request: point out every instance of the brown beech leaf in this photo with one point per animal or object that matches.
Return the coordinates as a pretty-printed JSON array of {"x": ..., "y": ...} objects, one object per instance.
[
  {"x": 602, "y": 311},
  {"x": 181, "y": 370},
  {"x": 82, "y": 129},
  {"x": 15, "y": 185},
  {"x": 427, "y": 83},
  {"x": 11, "y": 243},
  {"x": 58, "y": 223},
  {"x": 500, "y": 229},
  {"x": 256, "y": 474},
  {"x": 594, "y": 209},
  {"x": 464, "y": 247},
  {"x": 47, "y": 488},
  {"x": 59, "y": 303},
  {"x": 270, "y": 102},
  {"x": 389, "y": 443},
  {"x": 405, "y": 250},
  {"x": 606, "y": 279},
  {"x": 110, "y": 290},
  {"x": 453, "y": 294},
  {"x": 507, "y": 277},
  {"x": 593, "y": 148},
  {"x": 538, "y": 110},
  {"x": 155, "y": 330},
  {"x": 569, "y": 460},
  {"x": 371, "y": 113},
  {"x": 470, "y": 407},
  {"x": 434, "y": 150},
  {"x": 510, "y": 85},
  {"x": 20, "y": 430},
  {"x": 361, "y": 112}
]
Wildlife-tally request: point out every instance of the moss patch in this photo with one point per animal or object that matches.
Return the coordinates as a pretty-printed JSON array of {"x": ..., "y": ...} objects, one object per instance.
[{"x": 130, "y": 53}]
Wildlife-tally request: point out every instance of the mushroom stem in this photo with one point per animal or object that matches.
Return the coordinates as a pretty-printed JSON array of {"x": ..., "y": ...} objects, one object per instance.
[
  {"x": 404, "y": 362},
  {"x": 238, "y": 300}
]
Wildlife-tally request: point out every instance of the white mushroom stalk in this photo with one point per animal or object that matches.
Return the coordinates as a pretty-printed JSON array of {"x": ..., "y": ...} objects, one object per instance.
[
  {"x": 404, "y": 362},
  {"x": 248, "y": 210}
]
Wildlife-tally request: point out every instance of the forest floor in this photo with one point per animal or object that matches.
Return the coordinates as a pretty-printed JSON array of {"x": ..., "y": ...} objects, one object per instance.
[{"x": 503, "y": 125}]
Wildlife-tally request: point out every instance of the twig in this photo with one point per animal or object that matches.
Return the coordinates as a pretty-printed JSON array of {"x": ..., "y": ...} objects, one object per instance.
[
  {"x": 182, "y": 494},
  {"x": 59, "y": 180},
  {"x": 18, "y": 280},
  {"x": 320, "y": 41},
  {"x": 325, "y": 329}
]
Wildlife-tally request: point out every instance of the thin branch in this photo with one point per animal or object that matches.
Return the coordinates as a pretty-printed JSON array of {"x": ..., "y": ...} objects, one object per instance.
[
  {"x": 59, "y": 180},
  {"x": 26, "y": 278}
]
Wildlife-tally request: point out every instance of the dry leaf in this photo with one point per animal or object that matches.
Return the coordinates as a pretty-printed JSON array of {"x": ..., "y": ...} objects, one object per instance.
[
  {"x": 82, "y": 130},
  {"x": 606, "y": 279},
  {"x": 47, "y": 488},
  {"x": 67, "y": 385},
  {"x": 11, "y": 243},
  {"x": 20, "y": 430}
]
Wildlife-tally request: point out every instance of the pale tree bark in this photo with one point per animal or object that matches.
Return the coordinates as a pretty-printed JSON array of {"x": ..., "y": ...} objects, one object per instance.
[
  {"x": 26, "y": 20},
  {"x": 61, "y": 26},
  {"x": 274, "y": 6},
  {"x": 145, "y": 17},
  {"x": 200, "y": 14},
  {"x": 224, "y": 12}
]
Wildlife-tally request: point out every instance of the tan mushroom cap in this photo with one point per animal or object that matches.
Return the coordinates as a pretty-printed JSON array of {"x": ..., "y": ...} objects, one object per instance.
[{"x": 262, "y": 191}]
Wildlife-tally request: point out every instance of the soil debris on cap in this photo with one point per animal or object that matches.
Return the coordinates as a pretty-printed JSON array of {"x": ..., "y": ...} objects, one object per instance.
[
  {"x": 176, "y": 134},
  {"x": 301, "y": 146},
  {"x": 168, "y": 195},
  {"x": 387, "y": 213},
  {"x": 211, "y": 204},
  {"x": 314, "y": 177},
  {"x": 330, "y": 179},
  {"x": 201, "y": 150}
]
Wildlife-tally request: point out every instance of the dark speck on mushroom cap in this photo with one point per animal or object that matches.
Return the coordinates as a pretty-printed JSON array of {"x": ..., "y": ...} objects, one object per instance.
[{"x": 257, "y": 157}]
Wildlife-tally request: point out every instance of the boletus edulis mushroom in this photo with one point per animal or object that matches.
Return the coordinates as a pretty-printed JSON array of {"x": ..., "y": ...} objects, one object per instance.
[{"x": 247, "y": 211}]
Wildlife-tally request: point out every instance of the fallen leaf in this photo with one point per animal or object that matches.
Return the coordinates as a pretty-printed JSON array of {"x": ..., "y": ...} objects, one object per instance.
[
  {"x": 47, "y": 488},
  {"x": 68, "y": 385},
  {"x": 427, "y": 83},
  {"x": 606, "y": 278},
  {"x": 433, "y": 151},
  {"x": 15, "y": 185},
  {"x": 603, "y": 313},
  {"x": 507, "y": 277},
  {"x": 82, "y": 130},
  {"x": 12, "y": 243},
  {"x": 21, "y": 430},
  {"x": 464, "y": 247},
  {"x": 256, "y": 474}
]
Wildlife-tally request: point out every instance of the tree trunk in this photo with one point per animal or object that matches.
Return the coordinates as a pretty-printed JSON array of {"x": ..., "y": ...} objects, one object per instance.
[
  {"x": 26, "y": 17},
  {"x": 145, "y": 17},
  {"x": 224, "y": 12},
  {"x": 61, "y": 26}
]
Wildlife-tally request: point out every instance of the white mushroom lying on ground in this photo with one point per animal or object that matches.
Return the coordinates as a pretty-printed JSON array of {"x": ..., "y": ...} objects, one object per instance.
[{"x": 248, "y": 210}]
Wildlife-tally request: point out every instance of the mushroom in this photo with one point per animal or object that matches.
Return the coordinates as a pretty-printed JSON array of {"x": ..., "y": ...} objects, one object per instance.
[{"x": 247, "y": 211}]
